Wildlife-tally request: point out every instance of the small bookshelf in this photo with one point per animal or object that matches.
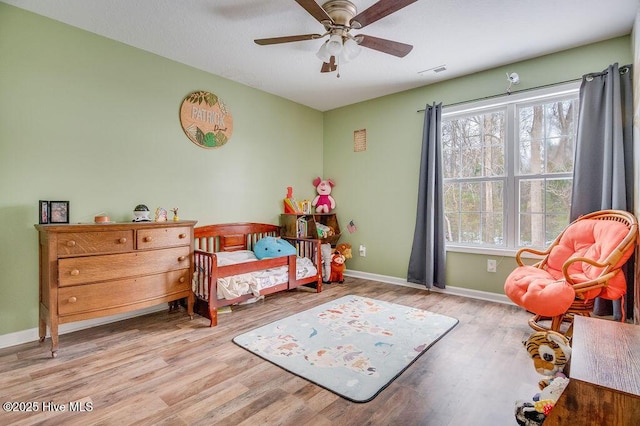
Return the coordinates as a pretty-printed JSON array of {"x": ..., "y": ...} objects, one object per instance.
[{"x": 295, "y": 225}]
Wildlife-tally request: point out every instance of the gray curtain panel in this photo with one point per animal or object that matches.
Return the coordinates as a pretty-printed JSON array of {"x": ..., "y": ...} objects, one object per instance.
[
  {"x": 427, "y": 261},
  {"x": 603, "y": 168}
]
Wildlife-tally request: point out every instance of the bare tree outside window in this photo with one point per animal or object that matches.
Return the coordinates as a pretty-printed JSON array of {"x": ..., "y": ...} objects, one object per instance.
[{"x": 478, "y": 172}]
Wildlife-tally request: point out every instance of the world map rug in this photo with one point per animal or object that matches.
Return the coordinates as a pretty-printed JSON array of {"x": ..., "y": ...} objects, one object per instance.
[{"x": 352, "y": 346}]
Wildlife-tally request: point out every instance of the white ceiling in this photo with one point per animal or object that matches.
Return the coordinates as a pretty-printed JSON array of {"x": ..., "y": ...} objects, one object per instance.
[{"x": 465, "y": 35}]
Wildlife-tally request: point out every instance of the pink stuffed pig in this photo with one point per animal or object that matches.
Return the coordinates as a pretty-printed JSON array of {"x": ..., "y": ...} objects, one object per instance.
[{"x": 323, "y": 202}]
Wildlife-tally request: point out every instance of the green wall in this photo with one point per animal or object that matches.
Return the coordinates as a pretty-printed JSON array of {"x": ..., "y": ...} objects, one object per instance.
[
  {"x": 95, "y": 122},
  {"x": 378, "y": 188}
]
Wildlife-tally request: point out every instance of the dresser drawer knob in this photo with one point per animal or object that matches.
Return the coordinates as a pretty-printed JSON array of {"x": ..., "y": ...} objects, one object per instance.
[
  {"x": 182, "y": 236},
  {"x": 147, "y": 239},
  {"x": 122, "y": 240},
  {"x": 181, "y": 279},
  {"x": 181, "y": 258},
  {"x": 71, "y": 243},
  {"x": 73, "y": 299},
  {"x": 75, "y": 272}
]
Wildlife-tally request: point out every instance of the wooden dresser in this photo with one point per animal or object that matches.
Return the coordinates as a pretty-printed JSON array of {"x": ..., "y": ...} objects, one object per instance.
[
  {"x": 604, "y": 376},
  {"x": 94, "y": 270}
]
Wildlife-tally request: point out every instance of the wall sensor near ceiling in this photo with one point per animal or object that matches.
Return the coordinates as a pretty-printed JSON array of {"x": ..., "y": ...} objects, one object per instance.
[{"x": 513, "y": 78}]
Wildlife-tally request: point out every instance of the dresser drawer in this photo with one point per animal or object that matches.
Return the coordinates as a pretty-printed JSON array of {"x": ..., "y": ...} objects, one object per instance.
[
  {"x": 163, "y": 237},
  {"x": 88, "y": 269},
  {"x": 113, "y": 294},
  {"x": 78, "y": 243}
]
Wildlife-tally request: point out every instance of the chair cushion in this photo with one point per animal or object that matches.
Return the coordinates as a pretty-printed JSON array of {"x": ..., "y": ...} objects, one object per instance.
[
  {"x": 596, "y": 240},
  {"x": 538, "y": 291}
]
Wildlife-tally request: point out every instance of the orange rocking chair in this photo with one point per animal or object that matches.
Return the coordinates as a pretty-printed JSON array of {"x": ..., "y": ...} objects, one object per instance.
[{"x": 581, "y": 264}]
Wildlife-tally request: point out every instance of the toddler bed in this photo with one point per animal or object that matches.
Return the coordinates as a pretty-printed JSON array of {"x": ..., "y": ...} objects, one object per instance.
[{"x": 227, "y": 272}]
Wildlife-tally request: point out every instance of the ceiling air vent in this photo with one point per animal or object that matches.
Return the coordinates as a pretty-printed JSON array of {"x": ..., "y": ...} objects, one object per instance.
[{"x": 437, "y": 69}]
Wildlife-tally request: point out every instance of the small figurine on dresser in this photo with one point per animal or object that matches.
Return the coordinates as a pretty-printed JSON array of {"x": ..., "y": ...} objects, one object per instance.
[
  {"x": 175, "y": 214},
  {"x": 161, "y": 215},
  {"x": 141, "y": 213}
]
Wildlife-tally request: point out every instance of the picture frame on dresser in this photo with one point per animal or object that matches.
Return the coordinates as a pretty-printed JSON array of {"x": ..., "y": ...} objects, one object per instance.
[
  {"x": 58, "y": 212},
  {"x": 43, "y": 209}
]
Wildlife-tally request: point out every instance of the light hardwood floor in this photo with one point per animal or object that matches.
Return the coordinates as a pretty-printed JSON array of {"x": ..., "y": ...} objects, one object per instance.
[{"x": 163, "y": 368}]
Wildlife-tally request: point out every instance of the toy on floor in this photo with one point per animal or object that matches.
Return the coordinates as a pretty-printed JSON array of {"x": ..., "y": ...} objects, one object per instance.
[
  {"x": 345, "y": 250},
  {"x": 550, "y": 352},
  {"x": 337, "y": 267},
  {"x": 325, "y": 249},
  {"x": 323, "y": 202}
]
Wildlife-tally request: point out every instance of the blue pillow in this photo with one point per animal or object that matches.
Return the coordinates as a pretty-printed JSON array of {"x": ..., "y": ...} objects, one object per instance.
[{"x": 273, "y": 247}]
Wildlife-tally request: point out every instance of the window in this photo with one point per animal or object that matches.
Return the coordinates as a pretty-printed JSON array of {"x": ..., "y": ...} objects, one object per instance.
[{"x": 508, "y": 168}]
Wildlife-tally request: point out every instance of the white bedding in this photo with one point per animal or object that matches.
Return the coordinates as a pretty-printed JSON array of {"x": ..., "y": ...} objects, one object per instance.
[{"x": 251, "y": 283}]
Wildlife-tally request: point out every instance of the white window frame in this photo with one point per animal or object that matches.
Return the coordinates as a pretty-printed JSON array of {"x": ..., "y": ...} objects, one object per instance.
[{"x": 509, "y": 102}]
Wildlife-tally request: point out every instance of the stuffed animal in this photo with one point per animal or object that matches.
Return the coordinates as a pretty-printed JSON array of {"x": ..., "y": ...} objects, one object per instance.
[
  {"x": 325, "y": 249},
  {"x": 550, "y": 352},
  {"x": 324, "y": 231},
  {"x": 323, "y": 202},
  {"x": 345, "y": 250},
  {"x": 273, "y": 247},
  {"x": 337, "y": 267}
]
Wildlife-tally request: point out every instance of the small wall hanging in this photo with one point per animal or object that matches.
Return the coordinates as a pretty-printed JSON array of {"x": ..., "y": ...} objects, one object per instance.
[{"x": 206, "y": 120}]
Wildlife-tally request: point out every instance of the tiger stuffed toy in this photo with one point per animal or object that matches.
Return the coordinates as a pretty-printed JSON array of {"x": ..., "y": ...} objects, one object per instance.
[{"x": 550, "y": 352}]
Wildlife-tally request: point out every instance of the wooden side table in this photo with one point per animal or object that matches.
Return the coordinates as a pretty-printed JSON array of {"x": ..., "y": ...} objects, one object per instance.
[{"x": 604, "y": 376}]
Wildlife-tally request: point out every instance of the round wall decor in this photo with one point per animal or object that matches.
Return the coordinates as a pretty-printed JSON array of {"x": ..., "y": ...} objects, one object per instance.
[{"x": 206, "y": 120}]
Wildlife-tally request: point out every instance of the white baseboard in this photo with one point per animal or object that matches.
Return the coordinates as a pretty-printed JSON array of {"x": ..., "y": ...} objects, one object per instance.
[
  {"x": 31, "y": 335},
  {"x": 455, "y": 291}
]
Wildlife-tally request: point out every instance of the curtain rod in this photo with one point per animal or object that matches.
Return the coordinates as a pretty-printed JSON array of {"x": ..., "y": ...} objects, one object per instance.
[{"x": 502, "y": 94}]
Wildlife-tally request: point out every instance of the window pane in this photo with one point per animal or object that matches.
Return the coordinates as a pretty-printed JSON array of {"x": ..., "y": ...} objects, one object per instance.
[
  {"x": 450, "y": 149},
  {"x": 470, "y": 197},
  {"x": 558, "y": 197},
  {"x": 544, "y": 210},
  {"x": 493, "y": 229},
  {"x": 531, "y": 146},
  {"x": 470, "y": 228},
  {"x": 532, "y": 232},
  {"x": 531, "y": 196},
  {"x": 555, "y": 224},
  {"x": 474, "y": 212},
  {"x": 532, "y": 207},
  {"x": 452, "y": 225},
  {"x": 547, "y": 135},
  {"x": 560, "y": 135},
  {"x": 493, "y": 133},
  {"x": 451, "y": 192},
  {"x": 474, "y": 146}
]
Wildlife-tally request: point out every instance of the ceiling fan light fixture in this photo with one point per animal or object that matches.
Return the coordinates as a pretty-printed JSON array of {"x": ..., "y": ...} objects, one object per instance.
[
  {"x": 323, "y": 53},
  {"x": 334, "y": 45},
  {"x": 350, "y": 50}
]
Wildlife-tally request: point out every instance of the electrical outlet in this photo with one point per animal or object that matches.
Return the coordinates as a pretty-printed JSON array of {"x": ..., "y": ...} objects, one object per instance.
[
  {"x": 363, "y": 250},
  {"x": 491, "y": 265}
]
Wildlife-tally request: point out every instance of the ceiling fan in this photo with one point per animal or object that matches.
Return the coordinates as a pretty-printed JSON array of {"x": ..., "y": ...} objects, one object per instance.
[{"x": 339, "y": 17}]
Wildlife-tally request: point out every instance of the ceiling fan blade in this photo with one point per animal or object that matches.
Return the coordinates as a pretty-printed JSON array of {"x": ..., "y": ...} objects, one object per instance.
[
  {"x": 315, "y": 10},
  {"x": 378, "y": 11},
  {"x": 329, "y": 66},
  {"x": 286, "y": 39},
  {"x": 394, "y": 48}
]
